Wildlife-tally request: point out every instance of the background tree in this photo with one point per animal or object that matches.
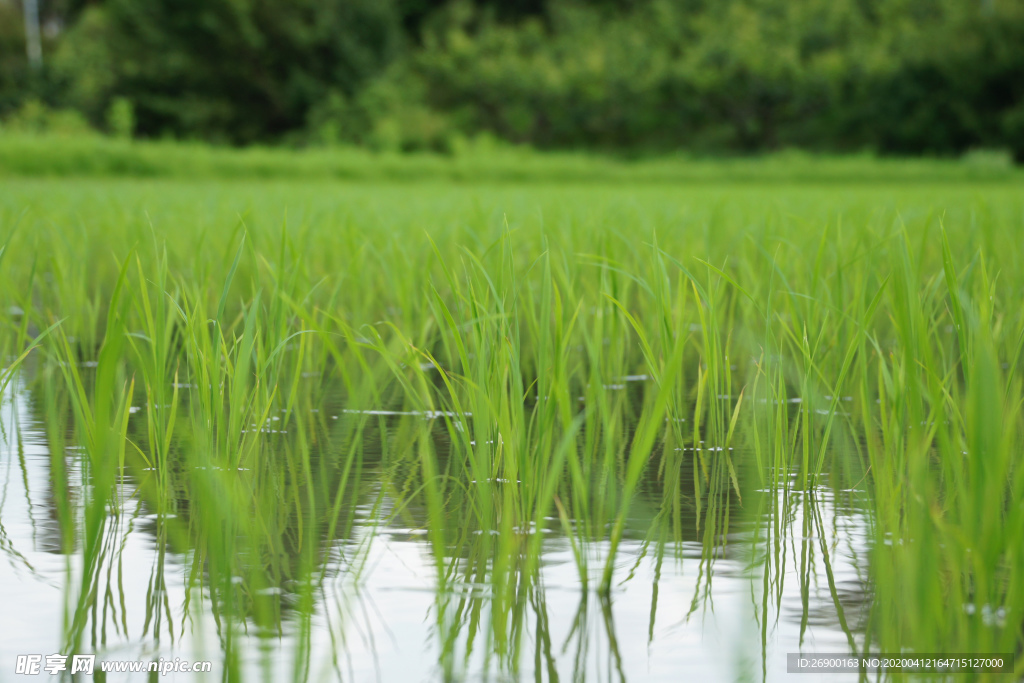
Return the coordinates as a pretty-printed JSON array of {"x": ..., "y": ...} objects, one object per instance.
[
  {"x": 235, "y": 70},
  {"x": 722, "y": 76}
]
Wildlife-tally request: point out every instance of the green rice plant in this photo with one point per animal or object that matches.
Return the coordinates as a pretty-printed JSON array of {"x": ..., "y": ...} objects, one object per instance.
[{"x": 273, "y": 380}]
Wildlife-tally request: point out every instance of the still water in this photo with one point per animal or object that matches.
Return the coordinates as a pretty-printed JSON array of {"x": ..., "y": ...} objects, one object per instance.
[{"x": 790, "y": 575}]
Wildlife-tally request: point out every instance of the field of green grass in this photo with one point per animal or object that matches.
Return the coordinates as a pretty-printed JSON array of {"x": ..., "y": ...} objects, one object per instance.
[{"x": 270, "y": 378}]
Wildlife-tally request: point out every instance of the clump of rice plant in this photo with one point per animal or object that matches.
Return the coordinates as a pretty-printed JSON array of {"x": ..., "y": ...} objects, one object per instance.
[{"x": 279, "y": 374}]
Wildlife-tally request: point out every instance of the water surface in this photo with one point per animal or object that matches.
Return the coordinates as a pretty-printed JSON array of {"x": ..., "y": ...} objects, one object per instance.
[{"x": 678, "y": 606}]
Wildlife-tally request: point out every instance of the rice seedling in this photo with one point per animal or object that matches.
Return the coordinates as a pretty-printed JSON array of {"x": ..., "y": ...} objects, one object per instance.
[{"x": 266, "y": 405}]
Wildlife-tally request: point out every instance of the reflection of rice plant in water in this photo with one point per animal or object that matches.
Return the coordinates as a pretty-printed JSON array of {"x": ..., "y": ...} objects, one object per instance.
[{"x": 510, "y": 432}]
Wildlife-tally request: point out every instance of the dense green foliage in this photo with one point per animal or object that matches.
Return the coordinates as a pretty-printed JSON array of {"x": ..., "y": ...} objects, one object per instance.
[
  {"x": 236, "y": 70},
  {"x": 794, "y": 340},
  {"x": 743, "y": 75},
  {"x": 894, "y": 76}
]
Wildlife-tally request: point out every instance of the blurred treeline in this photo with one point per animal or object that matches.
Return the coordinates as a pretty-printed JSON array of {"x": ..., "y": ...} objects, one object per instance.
[{"x": 709, "y": 76}]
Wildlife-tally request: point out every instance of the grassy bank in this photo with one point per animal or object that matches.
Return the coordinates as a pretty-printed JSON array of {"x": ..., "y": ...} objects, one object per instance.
[
  {"x": 83, "y": 156},
  {"x": 600, "y": 362}
]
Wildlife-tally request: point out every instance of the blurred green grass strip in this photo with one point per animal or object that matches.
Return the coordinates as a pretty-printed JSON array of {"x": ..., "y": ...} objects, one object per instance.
[{"x": 29, "y": 155}]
